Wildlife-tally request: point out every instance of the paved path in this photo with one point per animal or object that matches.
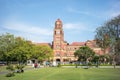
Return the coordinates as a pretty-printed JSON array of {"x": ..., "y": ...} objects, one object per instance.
[{"x": 91, "y": 67}]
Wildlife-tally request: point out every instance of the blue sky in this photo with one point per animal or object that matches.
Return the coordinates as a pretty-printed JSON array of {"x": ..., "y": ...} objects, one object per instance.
[{"x": 34, "y": 19}]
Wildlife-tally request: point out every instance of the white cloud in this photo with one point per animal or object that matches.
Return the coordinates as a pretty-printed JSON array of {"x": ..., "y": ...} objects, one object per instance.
[
  {"x": 77, "y": 26},
  {"x": 27, "y": 28},
  {"x": 29, "y": 32},
  {"x": 73, "y": 26},
  {"x": 35, "y": 38},
  {"x": 114, "y": 14}
]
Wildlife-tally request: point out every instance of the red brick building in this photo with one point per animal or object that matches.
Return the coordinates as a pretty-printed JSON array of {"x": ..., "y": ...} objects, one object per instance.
[{"x": 64, "y": 51}]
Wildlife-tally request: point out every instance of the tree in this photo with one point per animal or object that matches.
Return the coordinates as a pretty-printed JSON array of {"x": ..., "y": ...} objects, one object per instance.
[
  {"x": 101, "y": 59},
  {"x": 14, "y": 48},
  {"x": 96, "y": 60},
  {"x": 84, "y": 54},
  {"x": 42, "y": 52},
  {"x": 22, "y": 52},
  {"x": 102, "y": 39},
  {"x": 112, "y": 29},
  {"x": 7, "y": 44}
]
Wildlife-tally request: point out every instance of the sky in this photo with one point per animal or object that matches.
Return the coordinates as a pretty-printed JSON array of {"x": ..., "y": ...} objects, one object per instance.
[{"x": 35, "y": 19}]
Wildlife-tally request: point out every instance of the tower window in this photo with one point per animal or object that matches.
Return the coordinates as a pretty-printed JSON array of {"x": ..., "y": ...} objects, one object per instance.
[
  {"x": 57, "y": 47},
  {"x": 58, "y": 54}
]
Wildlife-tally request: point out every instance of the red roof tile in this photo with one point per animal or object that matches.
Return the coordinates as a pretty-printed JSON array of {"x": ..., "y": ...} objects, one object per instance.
[{"x": 78, "y": 44}]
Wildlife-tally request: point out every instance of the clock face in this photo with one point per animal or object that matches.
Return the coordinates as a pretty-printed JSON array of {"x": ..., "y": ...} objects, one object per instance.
[{"x": 58, "y": 32}]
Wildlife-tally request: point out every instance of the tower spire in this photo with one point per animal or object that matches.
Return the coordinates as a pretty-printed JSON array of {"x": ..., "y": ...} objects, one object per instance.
[{"x": 58, "y": 24}]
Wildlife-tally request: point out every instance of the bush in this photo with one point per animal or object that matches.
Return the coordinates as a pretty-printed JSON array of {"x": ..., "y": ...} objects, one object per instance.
[
  {"x": 89, "y": 64},
  {"x": 59, "y": 65},
  {"x": 10, "y": 74},
  {"x": 20, "y": 68},
  {"x": 10, "y": 68}
]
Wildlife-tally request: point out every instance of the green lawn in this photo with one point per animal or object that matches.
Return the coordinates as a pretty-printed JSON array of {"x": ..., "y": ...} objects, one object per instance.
[
  {"x": 66, "y": 74},
  {"x": 2, "y": 68}
]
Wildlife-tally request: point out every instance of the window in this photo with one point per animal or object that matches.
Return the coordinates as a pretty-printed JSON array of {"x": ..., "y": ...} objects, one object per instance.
[
  {"x": 58, "y": 54},
  {"x": 57, "y": 46}
]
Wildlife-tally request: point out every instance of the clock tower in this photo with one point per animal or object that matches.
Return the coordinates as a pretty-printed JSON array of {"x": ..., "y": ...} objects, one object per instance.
[{"x": 58, "y": 41}]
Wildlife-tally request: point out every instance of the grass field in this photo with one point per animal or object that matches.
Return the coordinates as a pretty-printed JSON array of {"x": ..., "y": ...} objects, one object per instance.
[{"x": 66, "y": 74}]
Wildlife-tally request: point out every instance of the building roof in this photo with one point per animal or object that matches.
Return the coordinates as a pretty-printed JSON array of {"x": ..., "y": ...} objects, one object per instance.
[
  {"x": 78, "y": 44},
  {"x": 91, "y": 43}
]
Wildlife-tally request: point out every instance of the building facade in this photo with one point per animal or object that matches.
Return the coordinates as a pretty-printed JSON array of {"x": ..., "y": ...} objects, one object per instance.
[{"x": 63, "y": 51}]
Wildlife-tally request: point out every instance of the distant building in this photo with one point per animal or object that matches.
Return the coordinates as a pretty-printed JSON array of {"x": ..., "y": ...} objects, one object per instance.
[{"x": 63, "y": 51}]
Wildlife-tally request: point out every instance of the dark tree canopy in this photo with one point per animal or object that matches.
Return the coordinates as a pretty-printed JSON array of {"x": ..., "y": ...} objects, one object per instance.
[
  {"x": 84, "y": 54},
  {"x": 108, "y": 35}
]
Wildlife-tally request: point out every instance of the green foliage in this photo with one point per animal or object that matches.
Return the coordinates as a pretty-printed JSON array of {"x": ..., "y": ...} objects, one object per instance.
[
  {"x": 7, "y": 43},
  {"x": 10, "y": 74},
  {"x": 11, "y": 70},
  {"x": 42, "y": 52},
  {"x": 14, "y": 48},
  {"x": 95, "y": 58},
  {"x": 20, "y": 68},
  {"x": 108, "y": 35},
  {"x": 90, "y": 64},
  {"x": 59, "y": 65},
  {"x": 20, "y": 50},
  {"x": 102, "y": 39},
  {"x": 84, "y": 54}
]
